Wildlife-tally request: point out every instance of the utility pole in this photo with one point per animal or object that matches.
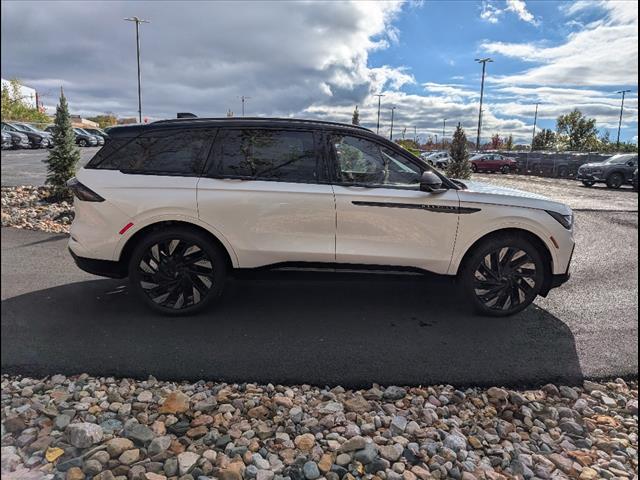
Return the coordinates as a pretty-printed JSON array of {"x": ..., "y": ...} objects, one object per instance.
[
  {"x": 138, "y": 22},
  {"x": 243, "y": 98},
  {"x": 415, "y": 134},
  {"x": 535, "y": 121},
  {"x": 623, "y": 92},
  {"x": 444, "y": 124},
  {"x": 484, "y": 62},
  {"x": 379, "y": 95},
  {"x": 391, "y": 134}
]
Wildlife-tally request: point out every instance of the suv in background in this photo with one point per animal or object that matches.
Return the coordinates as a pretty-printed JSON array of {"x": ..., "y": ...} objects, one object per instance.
[
  {"x": 83, "y": 139},
  {"x": 437, "y": 159},
  {"x": 177, "y": 205},
  {"x": 615, "y": 171},
  {"x": 18, "y": 139},
  {"x": 36, "y": 138},
  {"x": 97, "y": 132},
  {"x": 493, "y": 162}
]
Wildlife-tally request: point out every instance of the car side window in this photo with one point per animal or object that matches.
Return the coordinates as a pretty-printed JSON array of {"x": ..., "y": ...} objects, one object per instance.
[
  {"x": 362, "y": 162},
  {"x": 180, "y": 153},
  {"x": 264, "y": 154}
]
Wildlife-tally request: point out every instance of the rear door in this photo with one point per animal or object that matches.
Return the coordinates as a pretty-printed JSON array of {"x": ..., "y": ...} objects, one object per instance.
[
  {"x": 383, "y": 218},
  {"x": 265, "y": 190}
]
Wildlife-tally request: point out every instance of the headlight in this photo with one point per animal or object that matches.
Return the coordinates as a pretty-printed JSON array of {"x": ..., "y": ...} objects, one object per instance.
[{"x": 565, "y": 220}]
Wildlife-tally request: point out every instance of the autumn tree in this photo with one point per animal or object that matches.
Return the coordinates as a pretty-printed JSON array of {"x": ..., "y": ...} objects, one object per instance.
[{"x": 577, "y": 132}]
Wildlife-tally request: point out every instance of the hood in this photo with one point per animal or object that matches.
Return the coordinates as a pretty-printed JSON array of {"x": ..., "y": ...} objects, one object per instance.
[{"x": 480, "y": 192}]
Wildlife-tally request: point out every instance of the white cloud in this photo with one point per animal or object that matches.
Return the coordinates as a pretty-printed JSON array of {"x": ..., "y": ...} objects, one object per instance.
[
  {"x": 605, "y": 52},
  {"x": 489, "y": 12},
  {"x": 519, "y": 7}
]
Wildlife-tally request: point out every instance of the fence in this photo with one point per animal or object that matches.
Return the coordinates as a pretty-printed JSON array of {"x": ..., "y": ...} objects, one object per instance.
[{"x": 552, "y": 164}]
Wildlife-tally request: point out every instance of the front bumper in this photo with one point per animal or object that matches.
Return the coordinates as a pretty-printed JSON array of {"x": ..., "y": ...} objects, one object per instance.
[
  {"x": 103, "y": 268},
  {"x": 589, "y": 177}
]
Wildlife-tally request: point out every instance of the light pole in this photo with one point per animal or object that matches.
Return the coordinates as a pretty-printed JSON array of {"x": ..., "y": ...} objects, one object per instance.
[
  {"x": 484, "y": 62},
  {"x": 415, "y": 134},
  {"x": 138, "y": 22},
  {"x": 444, "y": 125},
  {"x": 535, "y": 121},
  {"x": 623, "y": 92},
  {"x": 391, "y": 134},
  {"x": 379, "y": 95},
  {"x": 243, "y": 98}
]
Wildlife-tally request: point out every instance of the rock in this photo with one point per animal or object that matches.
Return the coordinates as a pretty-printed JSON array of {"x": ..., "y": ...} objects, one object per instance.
[
  {"x": 325, "y": 462},
  {"x": 311, "y": 471},
  {"x": 568, "y": 392},
  {"x": 75, "y": 473},
  {"x": 367, "y": 454},
  {"x": 129, "y": 456},
  {"x": 343, "y": 459},
  {"x": 52, "y": 454},
  {"x": 61, "y": 422},
  {"x": 260, "y": 412},
  {"x": 391, "y": 452},
  {"x": 455, "y": 442},
  {"x": 175, "y": 402},
  {"x": 394, "y": 393},
  {"x": 154, "y": 476},
  {"x": 571, "y": 427},
  {"x": 116, "y": 446},
  {"x": 14, "y": 424},
  {"x": 398, "y": 425},
  {"x": 146, "y": 396},
  {"x": 159, "y": 445},
  {"x": 92, "y": 467},
  {"x": 140, "y": 434},
  {"x": 111, "y": 425},
  {"x": 186, "y": 461},
  {"x": 305, "y": 442},
  {"x": 498, "y": 394},
  {"x": 229, "y": 475},
  {"x": 354, "y": 443},
  {"x": 83, "y": 435}
]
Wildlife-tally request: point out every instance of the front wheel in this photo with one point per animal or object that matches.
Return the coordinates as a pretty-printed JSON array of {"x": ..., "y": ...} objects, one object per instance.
[
  {"x": 177, "y": 271},
  {"x": 505, "y": 169},
  {"x": 588, "y": 183},
  {"x": 503, "y": 276},
  {"x": 615, "y": 180},
  {"x": 474, "y": 168},
  {"x": 82, "y": 143}
]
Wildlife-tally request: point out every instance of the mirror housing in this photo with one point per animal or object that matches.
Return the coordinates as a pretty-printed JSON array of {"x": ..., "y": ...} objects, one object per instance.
[{"x": 430, "y": 182}]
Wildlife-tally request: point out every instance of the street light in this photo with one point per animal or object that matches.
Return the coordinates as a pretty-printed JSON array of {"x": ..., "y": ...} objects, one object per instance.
[
  {"x": 623, "y": 92},
  {"x": 138, "y": 22},
  {"x": 391, "y": 134},
  {"x": 243, "y": 98},
  {"x": 379, "y": 95},
  {"x": 444, "y": 125},
  {"x": 535, "y": 121},
  {"x": 484, "y": 62}
]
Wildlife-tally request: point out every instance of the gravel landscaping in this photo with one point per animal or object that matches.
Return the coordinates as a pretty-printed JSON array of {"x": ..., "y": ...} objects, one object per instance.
[
  {"x": 105, "y": 428},
  {"x": 27, "y": 207}
]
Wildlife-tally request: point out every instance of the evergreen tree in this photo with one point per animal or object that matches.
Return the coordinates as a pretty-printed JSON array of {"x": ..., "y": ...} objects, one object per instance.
[
  {"x": 63, "y": 157},
  {"x": 508, "y": 144},
  {"x": 459, "y": 167},
  {"x": 545, "y": 139},
  {"x": 355, "y": 119}
]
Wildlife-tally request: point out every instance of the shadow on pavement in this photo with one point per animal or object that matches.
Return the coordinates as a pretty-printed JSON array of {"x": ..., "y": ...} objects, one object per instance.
[{"x": 322, "y": 330}]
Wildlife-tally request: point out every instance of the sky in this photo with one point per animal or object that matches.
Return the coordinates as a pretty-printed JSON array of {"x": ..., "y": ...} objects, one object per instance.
[{"x": 320, "y": 59}]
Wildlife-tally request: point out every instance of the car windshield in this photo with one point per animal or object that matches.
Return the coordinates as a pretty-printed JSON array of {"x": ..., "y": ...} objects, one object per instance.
[
  {"x": 619, "y": 159},
  {"x": 27, "y": 128},
  {"x": 80, "y": 131},
  {"x": 20, "y": 128}
]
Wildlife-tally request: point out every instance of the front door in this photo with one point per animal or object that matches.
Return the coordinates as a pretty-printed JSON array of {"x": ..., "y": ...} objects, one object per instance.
[
  {"x": 263, "y": 192},
  {"x": 382, "y": 216}
]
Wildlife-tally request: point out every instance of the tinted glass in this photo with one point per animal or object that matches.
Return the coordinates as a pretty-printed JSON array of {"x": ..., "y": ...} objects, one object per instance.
[
  {"x": 173, "y": 153},
  {"x": 286, "y": 156},
  {"x": 361, "y": 162}
]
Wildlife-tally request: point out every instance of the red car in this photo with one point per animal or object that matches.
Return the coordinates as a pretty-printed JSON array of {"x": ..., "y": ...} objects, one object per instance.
[{"x": 493, "y": 162}]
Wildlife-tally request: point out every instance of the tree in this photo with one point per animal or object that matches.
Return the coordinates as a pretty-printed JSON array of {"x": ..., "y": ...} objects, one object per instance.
[
  {"x": 355, "y": 119},
  {"x": 15, "y": 107},
  {"x": 63, "y": 157},
  {"x": 545, "y": 139},
  {"x": 459, "y": 166},
  {"x": 577, "y": 132},
  {"x": 496, "y": 142},
  {"x": 508, "y": 143},
  {"x": 104, "y": 121},
  {"x": 409, "y": 145}
]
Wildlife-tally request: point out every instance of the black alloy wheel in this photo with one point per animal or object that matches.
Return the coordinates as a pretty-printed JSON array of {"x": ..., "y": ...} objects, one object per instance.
[
  {"x": 503, "y": 276},
  {"x": 615, "y": 180},
  {"x": 505, "y": 169},
  {"x": 82, "y": 142},
  {"x": 177, "y": 271}
]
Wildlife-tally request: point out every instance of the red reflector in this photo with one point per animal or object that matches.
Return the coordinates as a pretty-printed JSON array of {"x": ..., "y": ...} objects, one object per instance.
[{"x": 125, "y": 228}]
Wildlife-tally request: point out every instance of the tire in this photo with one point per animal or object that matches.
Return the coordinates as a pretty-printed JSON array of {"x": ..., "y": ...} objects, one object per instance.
[
  {"x": 183, "y": 285},
  {"x": 474, "y": 168},
  {"x": 588, "y": 183},
  {"x": 615, "y": 180},
  {"x": 507, "y": 290},
  {"x": 82, "y": 143},
  {"x": 505, "y": 169},
  {"x": 563, "y": 172}
]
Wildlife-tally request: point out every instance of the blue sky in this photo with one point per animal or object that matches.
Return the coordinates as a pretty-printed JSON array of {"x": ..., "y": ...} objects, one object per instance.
[{"x": 321, "y": 59}]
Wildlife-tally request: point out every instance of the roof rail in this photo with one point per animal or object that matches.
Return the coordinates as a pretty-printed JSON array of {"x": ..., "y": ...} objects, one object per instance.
[{"x": 266, "y": 119}]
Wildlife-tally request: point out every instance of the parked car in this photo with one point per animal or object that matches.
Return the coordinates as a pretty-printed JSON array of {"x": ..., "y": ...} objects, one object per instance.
[
  {"x": 83, "y": 139},
  {"x": 36, "y": 139},
  {"x": 30, "y": 129},
  {"x": 493, "y": 162},
  {"x": 6, "y": 140},
  {"x": 438, "y": 159},
  {"x": 615, "y": 171},
  {"x": 239, "y": 193},
  {"x": 635, "y": 180},
  {"x": 18, "y": 139},
  {"x": 97, "y": 132},
  {"x": 99, "y": 138}
]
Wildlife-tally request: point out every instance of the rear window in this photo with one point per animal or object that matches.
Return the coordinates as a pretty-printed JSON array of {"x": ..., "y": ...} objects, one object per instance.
[
  {"x": 181, "y": 152},
  {"x": 280, "y": 155}
]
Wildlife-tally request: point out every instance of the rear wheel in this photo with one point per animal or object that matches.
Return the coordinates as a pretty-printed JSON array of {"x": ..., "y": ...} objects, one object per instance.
[
  {"x": 503, "y": 275},
  {"x": 474, "y": 168},
  {"x": 505, "y": 169},
  {"x": 177, "y": 271},
  {"x": 82, "y": 143},
  {"x": 588, "y": 183},
  {"x": 615, "y": 180}
]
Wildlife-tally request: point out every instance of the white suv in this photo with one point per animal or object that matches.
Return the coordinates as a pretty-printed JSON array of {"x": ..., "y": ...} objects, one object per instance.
[{"x": 177, "y": 205}]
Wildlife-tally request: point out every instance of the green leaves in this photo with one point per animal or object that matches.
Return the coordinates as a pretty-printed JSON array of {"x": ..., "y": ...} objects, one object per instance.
[{"x": 459, "y": 167}]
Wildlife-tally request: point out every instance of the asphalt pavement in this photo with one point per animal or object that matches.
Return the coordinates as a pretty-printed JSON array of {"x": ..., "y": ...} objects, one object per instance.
[{"x": 323, "y": 329}]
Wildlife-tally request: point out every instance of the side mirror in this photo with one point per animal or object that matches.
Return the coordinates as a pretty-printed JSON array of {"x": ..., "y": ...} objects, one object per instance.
[{"x": 430, "y": 182}]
